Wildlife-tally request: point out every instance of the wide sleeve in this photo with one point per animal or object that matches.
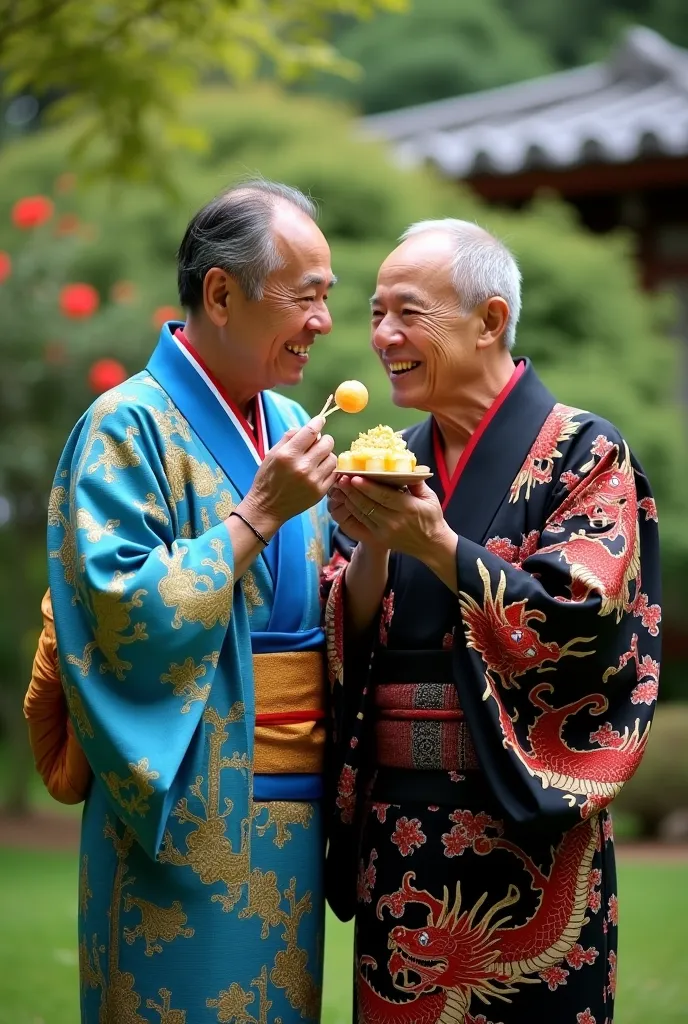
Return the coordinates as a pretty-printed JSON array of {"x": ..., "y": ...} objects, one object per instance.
[
  {"x": 141, "y": 616},
  {"x": 59, "y": 759},
  {"x": 559, "y": 671}
]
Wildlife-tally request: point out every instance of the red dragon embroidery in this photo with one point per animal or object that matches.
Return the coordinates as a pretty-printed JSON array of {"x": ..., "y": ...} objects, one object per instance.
[
  {"x": 537, "y": 468},
  {"x": 458, "y": 954},
  {"x": 504, "y": 638},
  {"x": 596, "y": 774},
  {"x": 609, "y": 563}
]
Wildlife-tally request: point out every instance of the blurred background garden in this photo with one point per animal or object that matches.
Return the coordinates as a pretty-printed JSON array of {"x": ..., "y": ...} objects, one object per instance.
[{"x": 562, "y": 125}]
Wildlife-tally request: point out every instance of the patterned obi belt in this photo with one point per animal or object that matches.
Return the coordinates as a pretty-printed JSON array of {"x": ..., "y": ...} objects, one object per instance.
[
  {"x": 419, "y": 723},
  {"x": 290, "y": 722}
]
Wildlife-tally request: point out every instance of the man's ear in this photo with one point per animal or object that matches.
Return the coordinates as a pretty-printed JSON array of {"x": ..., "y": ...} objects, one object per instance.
[
  {"x": 495, "y": 317},
  {"x": 217, "y": 289}
]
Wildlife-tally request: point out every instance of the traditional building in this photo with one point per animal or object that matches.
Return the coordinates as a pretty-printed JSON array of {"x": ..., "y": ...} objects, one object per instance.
[{"x": 610, "y": 138}]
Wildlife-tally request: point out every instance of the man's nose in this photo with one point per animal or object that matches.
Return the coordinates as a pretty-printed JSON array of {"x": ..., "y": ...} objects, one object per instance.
[
  {"x": 386, "y": 335},
  {"x": 321, "y": 321}
]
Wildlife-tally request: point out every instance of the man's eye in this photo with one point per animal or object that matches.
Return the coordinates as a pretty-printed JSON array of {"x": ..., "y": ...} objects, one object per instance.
[
  {"x": 376, "y": 313},
  {"x": 409, "y": 312}
]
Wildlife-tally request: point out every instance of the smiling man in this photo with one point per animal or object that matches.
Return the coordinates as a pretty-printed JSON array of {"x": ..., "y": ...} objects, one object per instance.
[
  {"x": 186, "y": 532},
  {"x": 500, "y": 669}
]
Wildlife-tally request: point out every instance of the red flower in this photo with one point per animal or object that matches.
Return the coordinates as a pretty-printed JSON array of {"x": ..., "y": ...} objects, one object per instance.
[
  {"x": 579, "y": 956},
  {"x": 569, "y": 480},
  {"x": 408, "y": 836},
  {"x": 164, "y": 313},
  {"x": 5, "y": 267},
  {"x": 645, "y": 693},
  {"x": 123, "y": 291},
  {"x": 31, "y": 212},
  {"x": 612, "y": 974},
  {"x": 79, "y": 301},
  {"x": 466, "y": 831},
  {"x": 366, "y": 879},
  {"x": 381, "y": 811},
  {"x": 68, "y": 224},
  {"x": 608, "y": 827},
  {"x": 601, "y": 445},
  {"x": 455, "y": 777},
  {"x": 650, "y": 614},
  {"x": 585, "y": 1017},
  {"x": 606, "y": 736},
  {"x": 613, "y": 914},
  {"x": 106, "y": 374},
  {"x": 346, "y": 796},
  {"x": 554, "y": 976},
  {"x": 649, "y": 507}
]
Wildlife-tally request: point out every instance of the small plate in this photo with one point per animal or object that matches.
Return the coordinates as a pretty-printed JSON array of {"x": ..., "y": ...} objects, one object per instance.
[{"x": 391, "y": 479}]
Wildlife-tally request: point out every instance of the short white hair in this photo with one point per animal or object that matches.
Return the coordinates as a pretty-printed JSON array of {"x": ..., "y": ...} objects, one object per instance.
[{"x": 482, "y": 267}]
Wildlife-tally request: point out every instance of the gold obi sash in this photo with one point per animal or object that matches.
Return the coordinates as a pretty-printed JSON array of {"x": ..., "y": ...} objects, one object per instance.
[{"x": 290, "y": 713}]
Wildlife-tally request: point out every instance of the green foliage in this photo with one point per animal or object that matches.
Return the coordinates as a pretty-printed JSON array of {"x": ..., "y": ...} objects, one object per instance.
[
  {"x": 122, "y": 68},
  {"x": 660, "y": 784},
  {"x": 598, "y": 340},
  {"x": 576, "y": 33},
  {"x": 440, "y": 48}
]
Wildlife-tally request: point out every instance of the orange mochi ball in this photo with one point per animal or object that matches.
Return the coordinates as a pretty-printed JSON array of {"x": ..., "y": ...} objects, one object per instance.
[{"x": 351, "y": 396}]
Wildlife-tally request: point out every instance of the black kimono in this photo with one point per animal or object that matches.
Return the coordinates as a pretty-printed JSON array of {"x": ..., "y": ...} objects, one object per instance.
[{"x": 479, "y": 739}]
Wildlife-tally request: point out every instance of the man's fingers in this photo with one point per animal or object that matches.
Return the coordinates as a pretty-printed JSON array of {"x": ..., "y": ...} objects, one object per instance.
[
  {"x": 379, "y": 494},
  {"x": 284, "y": 438},
  {"x": 308, "y": 435}
]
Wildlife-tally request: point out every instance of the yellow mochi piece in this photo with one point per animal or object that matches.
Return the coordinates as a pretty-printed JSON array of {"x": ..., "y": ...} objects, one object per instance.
[{"x": 379, "y": 450}]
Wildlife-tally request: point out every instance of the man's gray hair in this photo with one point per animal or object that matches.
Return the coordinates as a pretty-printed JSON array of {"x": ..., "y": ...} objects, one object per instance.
[
  {"x": 482, "y": 268},
  {"x": 234, "y": 232}
]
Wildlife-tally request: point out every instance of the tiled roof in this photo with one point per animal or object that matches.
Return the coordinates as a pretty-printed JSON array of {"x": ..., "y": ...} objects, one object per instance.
[{"x": 633, "y": 105}]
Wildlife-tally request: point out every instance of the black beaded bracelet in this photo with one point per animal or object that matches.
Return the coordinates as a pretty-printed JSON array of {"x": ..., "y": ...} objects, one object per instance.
[{"x": 259, "y": 535}]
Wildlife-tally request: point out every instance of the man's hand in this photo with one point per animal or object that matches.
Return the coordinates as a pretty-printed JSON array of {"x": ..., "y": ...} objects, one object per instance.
[
  {"x": 294, "y": 475},
  {"x": 409, "y": 521}
]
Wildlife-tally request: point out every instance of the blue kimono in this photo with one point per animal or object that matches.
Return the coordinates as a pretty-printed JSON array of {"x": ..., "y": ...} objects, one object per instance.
[{"x": 198, "y": 700}]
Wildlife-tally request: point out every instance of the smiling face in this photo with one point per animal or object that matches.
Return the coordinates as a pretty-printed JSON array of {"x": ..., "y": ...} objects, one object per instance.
[
  {"x": 426, "y": 344},
  {"x": 266, "y": 342}
]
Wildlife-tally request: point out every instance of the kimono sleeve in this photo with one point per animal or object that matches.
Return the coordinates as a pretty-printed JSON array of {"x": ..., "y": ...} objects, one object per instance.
[
  {"x": 57, "y": 755},
  {"x": 560, "y": 668},
  {"x": 140, "y": 616}
]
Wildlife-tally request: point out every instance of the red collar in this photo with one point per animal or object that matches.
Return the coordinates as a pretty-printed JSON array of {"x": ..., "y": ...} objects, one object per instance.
[
  {"x": 449, "y": 484},
  {"x": 255, "y": 433}
]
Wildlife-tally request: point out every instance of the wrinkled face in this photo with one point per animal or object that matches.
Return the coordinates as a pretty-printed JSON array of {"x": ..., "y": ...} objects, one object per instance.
[
  {"x": 267, "y": 341},
  {"x": 424, "y": 341}
]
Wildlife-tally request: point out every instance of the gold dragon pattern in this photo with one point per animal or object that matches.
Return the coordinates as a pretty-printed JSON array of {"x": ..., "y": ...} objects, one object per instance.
[
  {"x": 209, "y": 853},
  {"x": 119, "y": 1000},
  {"x": 112, "y": 617},
  {"x": 183, "y": 680},
  {"x": 195, "y": 596}
]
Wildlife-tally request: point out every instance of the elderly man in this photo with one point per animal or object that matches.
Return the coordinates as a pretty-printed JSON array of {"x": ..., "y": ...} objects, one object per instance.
[
  {"x": 186, "y": 535},
  {"x": 500, "y": 667}
]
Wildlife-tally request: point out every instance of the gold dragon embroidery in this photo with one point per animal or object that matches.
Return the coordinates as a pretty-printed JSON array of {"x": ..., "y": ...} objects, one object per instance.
[
  {"x": 281, "y": 814},
  {"x": 183, "y": 679},
  {"x": 166, "y": 923},
  {"x": 132, "y": 792},
  {"x": 209, "y": 853},
  {"x": 290, "y": 971},
  {"x": 112, "y": 618},
  {"x": 194, "y": 596},
  {"x": 119, "y": 1000}
]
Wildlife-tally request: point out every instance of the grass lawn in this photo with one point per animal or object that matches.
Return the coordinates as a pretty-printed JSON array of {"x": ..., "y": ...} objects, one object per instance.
[{"x": 38, "y": 962}]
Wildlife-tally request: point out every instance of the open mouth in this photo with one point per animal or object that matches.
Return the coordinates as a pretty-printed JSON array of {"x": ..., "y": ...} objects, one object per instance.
[
  {"x": 300, "y": 351},
  {"x": 410, "y": 972},
  {"x": 398, "y": 369}
]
